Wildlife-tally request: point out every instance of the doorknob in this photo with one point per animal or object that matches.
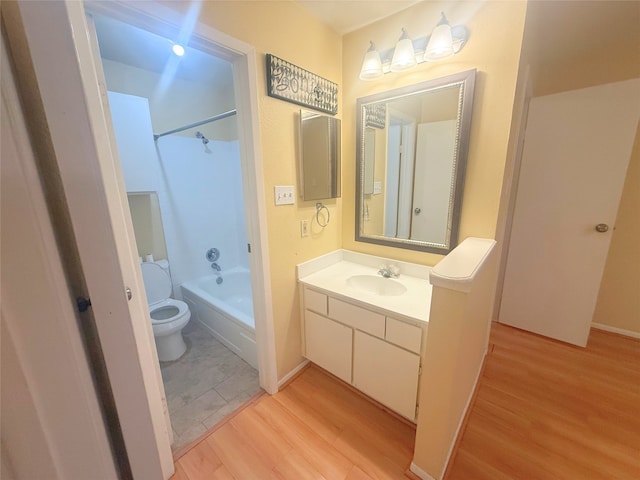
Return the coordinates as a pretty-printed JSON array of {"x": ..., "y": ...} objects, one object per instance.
[
  {"x": 417, "y": 211},
  {"x": 602, "y": 227}
]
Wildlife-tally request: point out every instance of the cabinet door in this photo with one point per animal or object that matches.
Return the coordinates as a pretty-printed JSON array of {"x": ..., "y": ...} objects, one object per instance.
[
  {"x": 386, "y": 373},
  {"x": 328, "y": 344}
]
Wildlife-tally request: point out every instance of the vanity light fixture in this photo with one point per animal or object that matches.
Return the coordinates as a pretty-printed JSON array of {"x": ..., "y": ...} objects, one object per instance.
[
  {"x": 404, "y": 55},
  {"x": 444, "y": 41},
  {"x": 372, "y": 65},
  {"x": 441, "y": 42}
]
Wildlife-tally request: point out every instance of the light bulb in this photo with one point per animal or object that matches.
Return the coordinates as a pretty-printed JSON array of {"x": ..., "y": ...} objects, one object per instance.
[{"x": 178, "y": 49}]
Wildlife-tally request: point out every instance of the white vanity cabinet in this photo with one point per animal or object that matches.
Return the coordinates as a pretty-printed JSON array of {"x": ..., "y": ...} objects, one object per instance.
[
  {"x": 376, "y": 353},
  {"x": 386, "y": 373},
  {"x": 329, "y": 344}
]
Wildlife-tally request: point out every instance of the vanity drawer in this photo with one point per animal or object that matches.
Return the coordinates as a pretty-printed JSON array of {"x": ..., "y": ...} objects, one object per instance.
[
  {"x": 315, "y": 301},
  {"x": 356, "y": 317},
  {"x": 404, "y": 334}
]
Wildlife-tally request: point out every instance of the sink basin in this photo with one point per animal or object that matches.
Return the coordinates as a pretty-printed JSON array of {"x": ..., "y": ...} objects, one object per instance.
[{"x": 377, "y": 285}]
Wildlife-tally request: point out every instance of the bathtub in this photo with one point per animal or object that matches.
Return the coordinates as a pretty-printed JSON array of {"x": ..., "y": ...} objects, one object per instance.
[{"x": 226, "y": 310}]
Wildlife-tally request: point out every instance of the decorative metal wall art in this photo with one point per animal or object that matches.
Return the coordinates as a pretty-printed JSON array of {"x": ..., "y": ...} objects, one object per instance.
[
  {"x": 375, "y": 115},
  {"x": 289, "y": 82}
]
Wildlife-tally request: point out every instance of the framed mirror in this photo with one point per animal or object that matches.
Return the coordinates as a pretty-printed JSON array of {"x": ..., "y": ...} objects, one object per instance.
[{"x": 411, "y": 155}]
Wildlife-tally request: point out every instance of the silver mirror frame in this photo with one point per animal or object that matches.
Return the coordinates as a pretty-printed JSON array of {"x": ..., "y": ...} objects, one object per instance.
[{"x": 466, "y": 81}]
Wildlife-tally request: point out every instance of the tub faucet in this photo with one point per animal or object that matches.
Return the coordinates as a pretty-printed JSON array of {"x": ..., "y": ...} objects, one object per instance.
[
  {"x": 389, "y": 271},
  {"x": 216, "y": 267}
]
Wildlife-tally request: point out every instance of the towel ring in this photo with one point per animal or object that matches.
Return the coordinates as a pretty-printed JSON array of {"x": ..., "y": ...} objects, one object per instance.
[{"x": 319, "y": 208}]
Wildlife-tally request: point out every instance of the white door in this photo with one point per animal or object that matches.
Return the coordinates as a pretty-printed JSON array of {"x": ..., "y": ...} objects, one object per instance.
[
  {"x": 433, "y": 180},
  {"x": 69, "y": 84},
  {"x": 576, "y": 153},
  {"x": 51, "y": 420}
]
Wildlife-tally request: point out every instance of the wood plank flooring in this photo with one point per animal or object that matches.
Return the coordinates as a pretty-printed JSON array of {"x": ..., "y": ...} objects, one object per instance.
[
  {"x": 548, "y": 410},
  {"x": 543, "y": 410},
  {"x": 315, "y": 428}
]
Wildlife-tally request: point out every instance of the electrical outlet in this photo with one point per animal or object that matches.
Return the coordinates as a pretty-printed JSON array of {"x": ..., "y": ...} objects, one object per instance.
[
  {"x": 284, "y": 195},
  {"x": 304, "y": 228}
]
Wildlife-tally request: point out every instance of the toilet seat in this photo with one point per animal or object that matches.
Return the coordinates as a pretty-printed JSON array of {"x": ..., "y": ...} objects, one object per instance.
[{"x": 167, "y": 311}]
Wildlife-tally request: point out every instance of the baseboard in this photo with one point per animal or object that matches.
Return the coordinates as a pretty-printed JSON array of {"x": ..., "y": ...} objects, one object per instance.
[
  {"x": 619, "y": 331},
  {"x": 289, "y": 376},
  {"x": 419, "y": 472}
]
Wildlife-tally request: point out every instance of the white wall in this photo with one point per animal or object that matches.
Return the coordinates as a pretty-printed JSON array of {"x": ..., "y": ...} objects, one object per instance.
[
  {"x": 181, "y": 102},
  {"x": 199, "y": 189}
]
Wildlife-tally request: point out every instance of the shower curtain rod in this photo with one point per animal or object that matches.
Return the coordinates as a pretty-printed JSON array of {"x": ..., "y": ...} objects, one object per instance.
[{"x": 196, "y": 124}]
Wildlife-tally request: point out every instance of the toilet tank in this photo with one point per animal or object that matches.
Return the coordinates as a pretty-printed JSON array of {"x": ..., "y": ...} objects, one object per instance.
[{"x": 164, "y": 264}]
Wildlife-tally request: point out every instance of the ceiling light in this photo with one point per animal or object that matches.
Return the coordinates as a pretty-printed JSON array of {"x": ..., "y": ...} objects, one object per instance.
[
  {"x": 178, "y": 49},
  {"x": 372, "y": 65}
]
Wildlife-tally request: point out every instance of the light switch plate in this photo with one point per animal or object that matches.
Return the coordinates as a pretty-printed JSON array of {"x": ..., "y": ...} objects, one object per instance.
[{"x": 284, "y": 194}]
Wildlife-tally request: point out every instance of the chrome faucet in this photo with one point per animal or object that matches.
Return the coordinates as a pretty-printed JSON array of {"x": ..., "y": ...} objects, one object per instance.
[
  {"x": 216, "y": 267},
  {"x": 389, "y": 271}
]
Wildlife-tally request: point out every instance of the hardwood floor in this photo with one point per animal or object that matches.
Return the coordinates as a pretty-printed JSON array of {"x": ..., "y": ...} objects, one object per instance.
[
  {"x": 543, "y": 410},
  {"x": 315, "y": 428},
  {"x": 548, "y": 410}
]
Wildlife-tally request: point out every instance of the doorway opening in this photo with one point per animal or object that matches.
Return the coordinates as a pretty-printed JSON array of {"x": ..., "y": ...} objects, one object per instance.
[{"x": 176, "y": 131}]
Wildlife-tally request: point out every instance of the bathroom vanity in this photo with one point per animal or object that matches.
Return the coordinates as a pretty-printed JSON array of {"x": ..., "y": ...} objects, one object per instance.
[{"x": 365, "y": 329}]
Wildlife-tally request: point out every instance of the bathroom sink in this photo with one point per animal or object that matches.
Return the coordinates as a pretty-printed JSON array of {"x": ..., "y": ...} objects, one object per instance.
[{"x": 376, "y": 285}]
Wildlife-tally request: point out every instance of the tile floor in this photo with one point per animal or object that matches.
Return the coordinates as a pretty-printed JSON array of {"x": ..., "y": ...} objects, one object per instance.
[{"x": 207, "y": 383}]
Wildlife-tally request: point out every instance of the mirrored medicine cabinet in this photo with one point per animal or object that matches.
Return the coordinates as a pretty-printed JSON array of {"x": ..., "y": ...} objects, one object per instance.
[{"x": 319, "y": 156}]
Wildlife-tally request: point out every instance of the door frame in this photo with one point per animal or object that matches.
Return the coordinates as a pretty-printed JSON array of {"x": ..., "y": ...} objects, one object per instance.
[
  {"x": 165, "y": 22},
  {"x": 88, "y": 165}
]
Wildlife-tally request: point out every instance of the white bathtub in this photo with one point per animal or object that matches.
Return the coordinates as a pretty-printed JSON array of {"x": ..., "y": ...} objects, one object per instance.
[{"x": 226, "y": 310}]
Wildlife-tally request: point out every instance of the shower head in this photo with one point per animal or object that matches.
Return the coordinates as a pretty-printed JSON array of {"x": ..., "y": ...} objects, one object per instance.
[{"x": 204, "y": 139}]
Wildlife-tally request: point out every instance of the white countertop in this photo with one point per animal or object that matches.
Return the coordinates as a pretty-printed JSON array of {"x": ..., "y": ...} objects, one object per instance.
[{"x": 330, "y": 273}]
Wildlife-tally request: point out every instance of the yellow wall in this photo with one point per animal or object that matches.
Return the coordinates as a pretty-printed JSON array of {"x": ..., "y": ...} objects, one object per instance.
[
  {"x": 288, "y": 31},
  {"x": 493, "y": 48}
]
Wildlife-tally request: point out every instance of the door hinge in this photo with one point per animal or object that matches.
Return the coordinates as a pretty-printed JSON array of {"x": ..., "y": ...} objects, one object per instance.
[
  {"x": 417, "y": 408},
  {"x": 83, "y": 304},
  {"x": 249, "y": 247}
]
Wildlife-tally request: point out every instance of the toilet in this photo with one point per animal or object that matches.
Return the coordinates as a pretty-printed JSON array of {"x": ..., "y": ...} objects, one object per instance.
[{"x": 168, "y": 316}]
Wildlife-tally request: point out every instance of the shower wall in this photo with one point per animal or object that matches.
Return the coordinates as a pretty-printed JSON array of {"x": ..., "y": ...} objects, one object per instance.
[{"x": 199, "y": 189}]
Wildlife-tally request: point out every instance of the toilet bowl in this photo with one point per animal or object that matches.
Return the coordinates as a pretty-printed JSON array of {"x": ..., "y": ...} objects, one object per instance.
[{"x": 168, "y": 316}]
